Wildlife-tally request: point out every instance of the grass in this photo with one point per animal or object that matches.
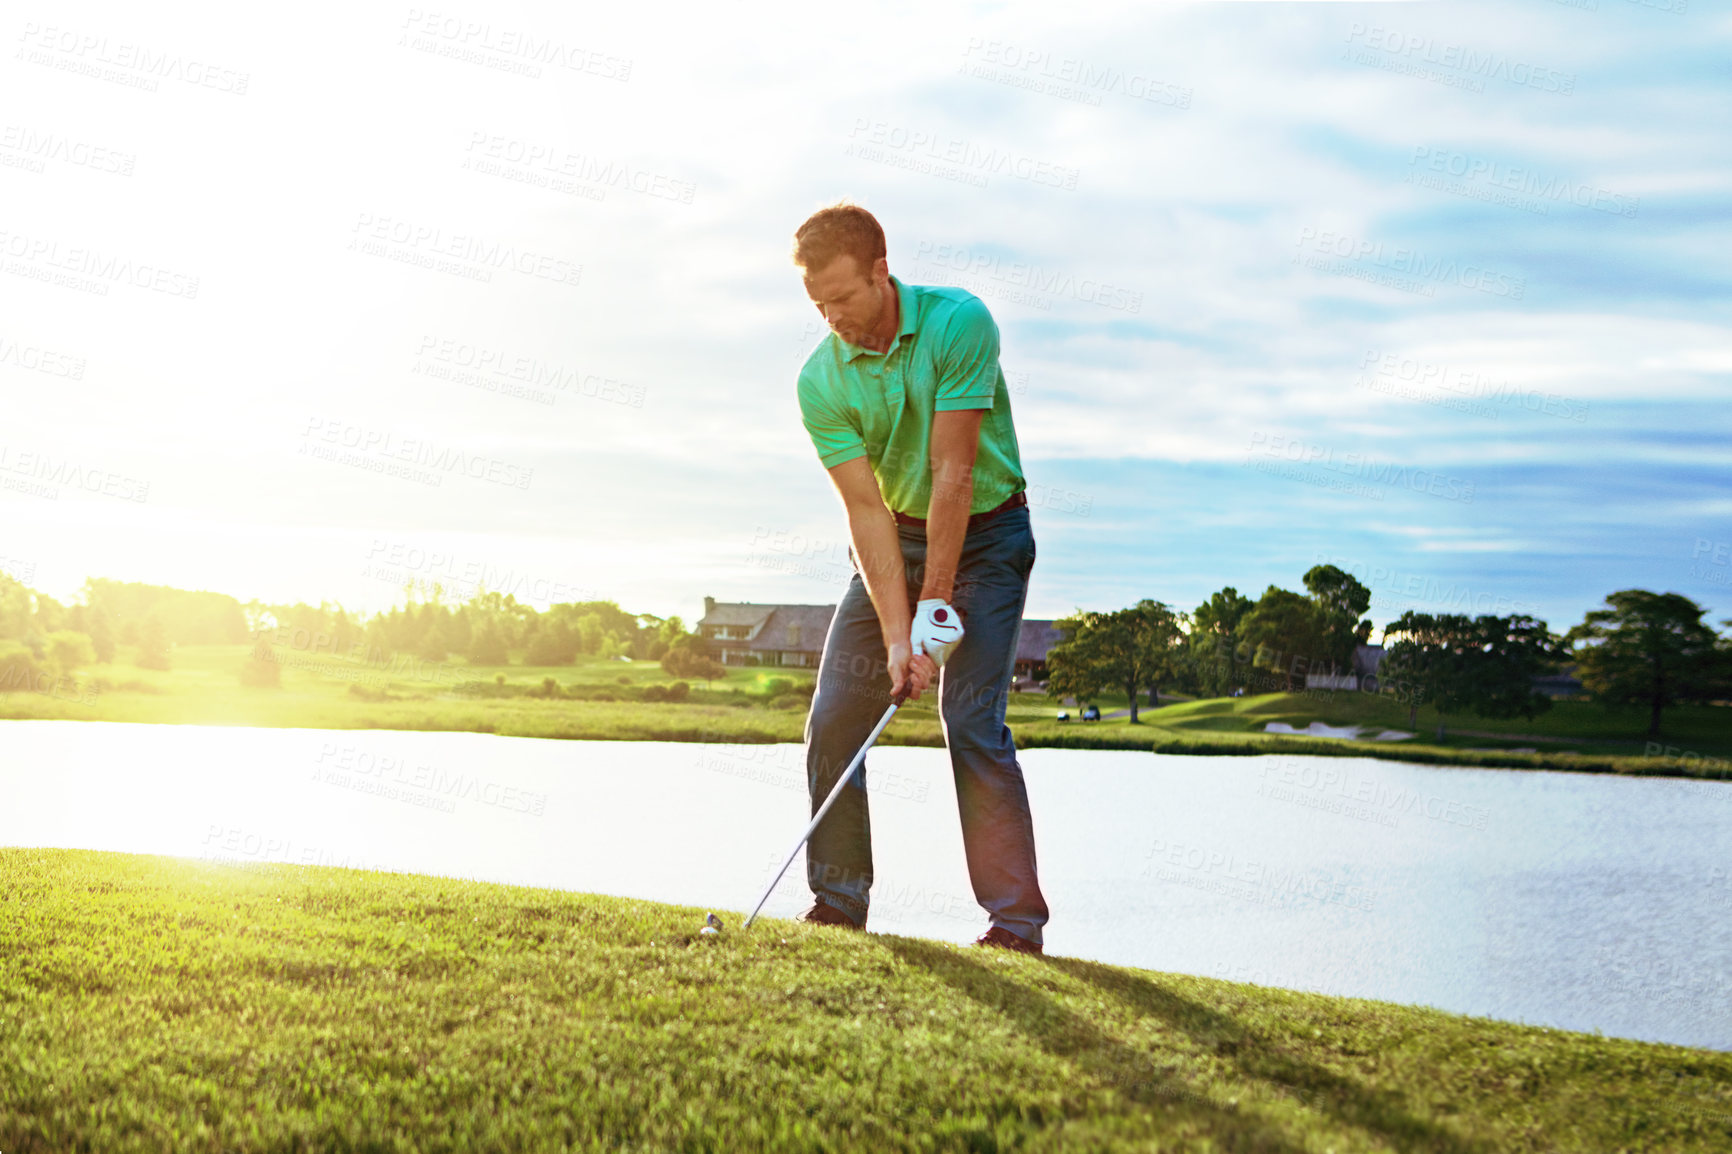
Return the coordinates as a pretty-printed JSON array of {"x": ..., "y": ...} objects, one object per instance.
[
  {"x": 1583, "y": 725},
  {"x": 152, "y": 1003},
  {"x": 1572, "y": 735},
  {"x": 321, "y": 691}
]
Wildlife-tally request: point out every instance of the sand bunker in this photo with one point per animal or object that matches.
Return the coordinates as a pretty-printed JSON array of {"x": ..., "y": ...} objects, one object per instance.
[{"x": 1349, "y": 732}]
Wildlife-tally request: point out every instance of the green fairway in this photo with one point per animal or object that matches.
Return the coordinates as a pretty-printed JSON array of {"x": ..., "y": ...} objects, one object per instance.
[
  {"x": 1570, "y": 735},
  {"x": 604, "y": 700},
  {"x": 152, "y": 1004}
]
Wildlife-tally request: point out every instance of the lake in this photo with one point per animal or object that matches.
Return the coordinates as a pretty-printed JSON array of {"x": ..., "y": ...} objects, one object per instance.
[{"x": 1577, "y": 901}]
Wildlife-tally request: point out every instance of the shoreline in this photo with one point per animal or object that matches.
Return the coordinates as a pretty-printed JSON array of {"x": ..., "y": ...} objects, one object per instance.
[{"x": 720, "y": 726}]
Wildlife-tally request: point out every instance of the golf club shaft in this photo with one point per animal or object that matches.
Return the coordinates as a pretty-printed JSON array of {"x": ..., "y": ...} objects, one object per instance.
[{"x": 835, "y": 792}]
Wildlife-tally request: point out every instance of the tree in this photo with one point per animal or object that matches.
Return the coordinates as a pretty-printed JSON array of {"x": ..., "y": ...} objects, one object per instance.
[
  {"x": 487, "y": 646},
  {"x": 20, "y": 670},
  {"x": 435, "y": 643},
  {"x": 656, "y": 635},
  {"x": 691, "y": 656},
  {"x": 1647, "y": 648},
  {"x": 1512, "y": 651},
  {"x": 14, "y": 608},
  {"x": 1484, "y": 665},
  {"x": 1421, "y": 667},
  {"x": 459, "y": 629},
  {"x": 1076, "y": 665},
  {"x": 1340, "y": 601},
  {"x": 51, "y": 615},
  {"x": 1161, "y": 635},
  {"x": 589, "y": 633},
  {"x": 1132, "y": 649},
  {"x": 430, "y": 642},
  {"x": 101, "y": 634},
  {"x": 153, "y": 644},
  {"x": 69, "y": 652},
  {"x": 1214, "y": 641},
  {"x": 1285, "y": 634},
  {"x": 258, "y": 616},
  {"x": 555, "y": 644},
  {"x": 188, "y": 617}
]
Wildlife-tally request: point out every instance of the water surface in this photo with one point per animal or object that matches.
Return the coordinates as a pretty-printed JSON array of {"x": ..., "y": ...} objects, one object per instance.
[{"x": 1579, "y": 901}]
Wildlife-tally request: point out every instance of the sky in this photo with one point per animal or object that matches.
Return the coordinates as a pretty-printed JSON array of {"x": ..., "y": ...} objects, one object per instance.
[{"x": 307, "y": 304}]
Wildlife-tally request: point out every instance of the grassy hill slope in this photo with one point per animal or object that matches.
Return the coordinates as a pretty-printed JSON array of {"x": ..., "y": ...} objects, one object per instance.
[{"x": 171, "y": 1004}]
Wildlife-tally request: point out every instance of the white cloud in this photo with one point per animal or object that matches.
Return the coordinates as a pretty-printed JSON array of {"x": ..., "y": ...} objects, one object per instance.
[{"x": 1221, "y": 133}]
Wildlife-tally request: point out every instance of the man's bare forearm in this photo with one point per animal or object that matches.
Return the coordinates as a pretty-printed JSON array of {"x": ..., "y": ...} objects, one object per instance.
[
  {"x": 946, "y": 527},
  {"x": 955, "y": 439},
  {"x": 878, "y": 547}
]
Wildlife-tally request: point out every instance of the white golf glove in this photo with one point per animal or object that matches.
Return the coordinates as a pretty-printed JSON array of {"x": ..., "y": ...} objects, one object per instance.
[{"x": 937, "y": 629}]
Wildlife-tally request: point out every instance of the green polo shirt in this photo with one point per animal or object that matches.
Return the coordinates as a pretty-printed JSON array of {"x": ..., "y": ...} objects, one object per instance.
[{"x": 856, "y": 402}]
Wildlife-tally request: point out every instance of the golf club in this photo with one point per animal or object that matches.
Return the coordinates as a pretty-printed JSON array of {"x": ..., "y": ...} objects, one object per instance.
[{"x": 835, "y": 792}]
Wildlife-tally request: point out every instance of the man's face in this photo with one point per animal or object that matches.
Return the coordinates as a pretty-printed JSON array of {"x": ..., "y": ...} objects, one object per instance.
[{"x": 850, "y": 301}]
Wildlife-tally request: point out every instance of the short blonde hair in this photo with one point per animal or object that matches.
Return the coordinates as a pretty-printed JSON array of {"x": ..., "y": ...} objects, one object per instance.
[{"x": 842, "y": 229}]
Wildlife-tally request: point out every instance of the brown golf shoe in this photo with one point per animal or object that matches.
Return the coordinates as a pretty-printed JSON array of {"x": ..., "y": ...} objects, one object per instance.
[
  {"x": 1005, "y": 940},
  {"x": 827, "y": 915}
]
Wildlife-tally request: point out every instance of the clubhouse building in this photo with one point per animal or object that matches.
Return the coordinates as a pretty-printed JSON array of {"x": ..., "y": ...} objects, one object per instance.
[{"x": 792, "y": 636}]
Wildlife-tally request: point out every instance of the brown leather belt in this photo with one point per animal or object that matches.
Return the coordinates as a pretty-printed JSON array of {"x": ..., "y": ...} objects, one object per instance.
[{"x": 1014, "y": 501}]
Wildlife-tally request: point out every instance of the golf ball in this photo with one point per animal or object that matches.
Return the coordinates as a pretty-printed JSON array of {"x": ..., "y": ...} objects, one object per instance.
[{"x": 709, "y": 931}]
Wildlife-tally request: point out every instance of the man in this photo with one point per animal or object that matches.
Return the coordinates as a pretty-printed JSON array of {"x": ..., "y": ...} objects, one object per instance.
[{"x": 909, "y": 412}]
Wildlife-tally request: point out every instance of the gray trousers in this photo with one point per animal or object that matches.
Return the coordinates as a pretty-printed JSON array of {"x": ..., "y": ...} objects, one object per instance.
[{"x": 854, "y": 690}]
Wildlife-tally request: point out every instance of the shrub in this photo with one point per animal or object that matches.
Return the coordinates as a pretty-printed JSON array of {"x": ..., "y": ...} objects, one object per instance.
[
  {"x": 19, "y": 669},
  {"x": 604, "y": 695},
  {"x": 691, "y": 657},
  {"x": 679, "y": 691},
  {"x": 777, "y": 686},
  {"x": 654, "y": 693},
  {"x": 623, "y": 679},
  {"x": 69, "y": 651},
  {"x": 789, "y": 701}
]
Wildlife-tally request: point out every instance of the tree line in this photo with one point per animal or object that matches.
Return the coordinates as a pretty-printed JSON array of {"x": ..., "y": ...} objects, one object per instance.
[
  {"x": 45, "y": 641},
  {"x": 1644, "y": 648}
]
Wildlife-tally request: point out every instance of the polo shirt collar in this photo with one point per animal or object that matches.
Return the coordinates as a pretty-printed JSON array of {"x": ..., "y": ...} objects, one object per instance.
[{"x": 905, "y": 296}]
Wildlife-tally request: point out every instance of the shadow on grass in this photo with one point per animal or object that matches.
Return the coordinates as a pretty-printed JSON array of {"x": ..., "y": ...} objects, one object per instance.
[
  {"x": 1263, "y": 1059},
  {"x": 1068, "y": 1035}
]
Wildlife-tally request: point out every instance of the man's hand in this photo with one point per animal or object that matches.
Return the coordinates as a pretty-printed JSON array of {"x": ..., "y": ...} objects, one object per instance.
[
  {"x": 937, "y": 629},
  {"x": 914, "y": 670}
]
